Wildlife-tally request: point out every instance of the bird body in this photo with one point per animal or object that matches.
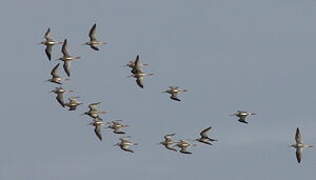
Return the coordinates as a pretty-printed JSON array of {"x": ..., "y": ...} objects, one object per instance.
[
  {"x": 242, "y": 115},
  {"x": 49, "y": 43},
  {"x": 174, "y": 91},
  {"x": 168, "y": 142},
  {"x": 67, "y": 58},
  {"x": 94, "y": 43},
  {"x": 204, "y": 137}
]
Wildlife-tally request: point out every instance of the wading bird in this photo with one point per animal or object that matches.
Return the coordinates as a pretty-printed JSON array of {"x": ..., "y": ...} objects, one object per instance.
[
  {"x": 97, "y": 123},
  {"x": 125, "y": 144},
  {"x": 184, "y": 145},
  {"x": 140, "y": 78},
  {"x": 67, "y": 58},
  {"x": 204, "y": 137},
  {"x": 94, "y": 112},
  {"x": 59, "y": 91},
  {"x": 116, "y": 126},
  {"x": 242, "y": 115},
  {"x": 168, "y": 142},
  {"x": 174, "y": 91},
  {"x": 299, "y": 145},
  {"x": 94, "y": 43},
  {"x": 49, "y": 43},
  {"x": 55, "y": 76},
  {"x": 73, "y": 103}
]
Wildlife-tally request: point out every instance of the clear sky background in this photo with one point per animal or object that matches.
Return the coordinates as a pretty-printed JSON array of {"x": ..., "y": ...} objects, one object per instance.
[{"x": 230, "y": 54}]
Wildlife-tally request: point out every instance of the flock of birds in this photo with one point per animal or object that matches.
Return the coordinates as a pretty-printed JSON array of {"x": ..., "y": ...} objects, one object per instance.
[{"x": 117, "y": 125}]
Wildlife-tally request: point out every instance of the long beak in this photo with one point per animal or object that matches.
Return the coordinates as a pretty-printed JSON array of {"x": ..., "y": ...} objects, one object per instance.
[{"x": 67, "y": 79}]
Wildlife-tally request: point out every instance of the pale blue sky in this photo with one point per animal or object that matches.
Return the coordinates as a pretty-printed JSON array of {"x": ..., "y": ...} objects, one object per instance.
[{"x": 230, "y": 54}]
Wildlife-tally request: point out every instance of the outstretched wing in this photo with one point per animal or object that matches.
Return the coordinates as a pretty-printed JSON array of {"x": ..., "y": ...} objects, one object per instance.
[
  {"x": 92, "y": 33},
  {"x": 169, "y": 136},
  {"x": 97, "y": 131},
  {"x": 66, "y": 67},
  {"x": 94, "y": 106},
  {"x": 54, "y": 71},
  {"x": 47, "y": 35},
  {"x": 205, "y": 131},
  {"x": 140, "y": 82},
  {"x": 60, "y": 99},
  {"x": 64, "y": 48},
  {"x": 299, "y": 155},
  {"x": 298, "y": 136},
  {"x": 48, "y": 51}
]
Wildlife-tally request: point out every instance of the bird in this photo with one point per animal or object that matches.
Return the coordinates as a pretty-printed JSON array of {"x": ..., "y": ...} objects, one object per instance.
[
  {"x": 242, "y": 115},
  {"x": 299, "y": 145},
  {"x": 117, "y": 126},
  {"x": 137, "y": 66},
  {"x": 204, "y": 137},
  {"x": 73, "y": 103},
  {"x": 94, "y": 112},
  {"x": 59, "y": 91},
  {"x": 55, "y": 76},
  {"x": 140, "y": 78},
  {"x": 67, "y": 58},
  {"x": 168, "y": 142},
  {"x": 184, "y": 145},
  {"x": 174, "y": 91},
  {"x": 49, "y": 43},
  {"x": 97, "y": 123},
  {"x": 125, "y": 144},
  {"x": 94, "y": 43},
  {"x": 131, "y": 64}
]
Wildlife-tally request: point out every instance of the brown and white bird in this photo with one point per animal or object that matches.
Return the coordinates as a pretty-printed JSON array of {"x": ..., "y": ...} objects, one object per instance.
[
  {"x": 204, "y": 137},
  {"x": 49, "y": 43},
  {"x": 94, "y": 43},
  {"x": 125, "y": 144},
  {"x": 97, "y": 123},
  {"x": 140, "y": 78},
  {"x": 59, "y": 91},
  {"x": 73, "y": 103},
  {"x": 116, "y": 126},
  {"x": 184, "y": 145},
  {"x": 174, "y": 91},
  {"x": 168, "y": 142},
  {"x": 242, "y": 115},
  {"x": 136, "y": 65},
  {"x": 94, "y": 112},
  {"x": 56, "y": 78},
  {"x": 299, "y": 145},
  {"x": 67, "y": 58}
]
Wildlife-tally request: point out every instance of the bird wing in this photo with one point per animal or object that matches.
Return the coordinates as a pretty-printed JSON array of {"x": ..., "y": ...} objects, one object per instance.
[
  {"x": 174, "y": 97},
  {"x": 48, "y": 51},
  {"x": 60, "y": 99},
  {"x": 97, "y": 131},
  {"x": 92, "y": 33},
  {"x": 66, "y": 67},
  {"x": 137, "y": 68},
  {"x": 64, "y": 48},
  {"x": 140, "y": 82},
  {"x": 94, "y": 106},
  {"x": 94, "y": 47},
  {"x": 54, "y": 71},
  {"x": 169, "y": 136},
  {"x": 298, "y": 136},
  {"x": 47, "y": 35},
  {"x": 203, "y": 133},
  {"x": 299, "y": 154}
]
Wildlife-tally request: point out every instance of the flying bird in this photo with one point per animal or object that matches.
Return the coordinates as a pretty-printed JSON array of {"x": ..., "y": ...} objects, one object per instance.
[
  {"x": 140, "y": 78},
  {"x": 125, "y": 144},
  {"x": 174, "y": 91},
  {"x": 97, "y": 123},
  {"x": 55, "y": 76},
  {"x": 73, "y": 103},
  {"x": 168, "y": 142},
  {"x": 299, "y": 145},
  {"x": 116, "y": 126},
  {"x": 94, "y": 112},
  {"x": 59, "y": 91},
  {"x": 204, "y": 137},
  {"x": 67, "y": 58},
  {"x": 94, "y": 43},
  {"x": 242, "y": 115},
  {"x": 49, "y": 43},
  {"x": 184, "y": 145}
]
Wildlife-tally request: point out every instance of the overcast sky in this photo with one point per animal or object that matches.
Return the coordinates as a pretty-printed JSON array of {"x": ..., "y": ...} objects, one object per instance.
[{"x": 250, "y": 55}]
